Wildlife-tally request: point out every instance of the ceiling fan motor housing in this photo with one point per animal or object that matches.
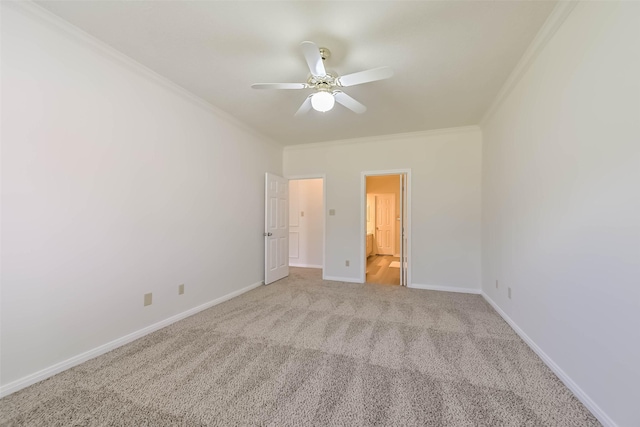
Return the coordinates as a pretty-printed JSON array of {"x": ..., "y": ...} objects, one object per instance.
[{"x": 325, "y": 82}]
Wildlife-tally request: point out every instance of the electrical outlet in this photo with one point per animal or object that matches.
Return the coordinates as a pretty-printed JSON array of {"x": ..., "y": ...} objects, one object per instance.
[
  {"x": 509, "y": 292},
  {"x": 181, "y": 289},
  {"x": 332, "y": 212},
  {"x": 496, "y": 284},
  {"x": 147, "y": 299},
  {"x": 346, "y": 263}
]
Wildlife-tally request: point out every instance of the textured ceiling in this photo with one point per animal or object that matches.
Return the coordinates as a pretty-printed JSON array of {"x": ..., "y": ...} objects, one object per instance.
[{"x": 450, "y": 57}]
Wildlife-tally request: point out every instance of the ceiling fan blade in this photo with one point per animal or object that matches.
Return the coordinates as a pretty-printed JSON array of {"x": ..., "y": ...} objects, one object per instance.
[
  {"x": 348, "y": 102},
  {"x": 367, "y": 76},
  {"x": 311, "y": 53},
  {"x": 279, "y": 86},
  {"x": 305, "y": 107}
]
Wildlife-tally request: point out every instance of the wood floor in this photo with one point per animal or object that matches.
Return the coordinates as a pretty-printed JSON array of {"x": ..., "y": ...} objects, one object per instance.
[{"x": 378, "y": 270}]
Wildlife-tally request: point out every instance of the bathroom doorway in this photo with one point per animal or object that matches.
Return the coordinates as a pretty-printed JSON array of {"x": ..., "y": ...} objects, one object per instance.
[
  {"x": 306, "y": 222},
  {"x": 386, "y": 227}
]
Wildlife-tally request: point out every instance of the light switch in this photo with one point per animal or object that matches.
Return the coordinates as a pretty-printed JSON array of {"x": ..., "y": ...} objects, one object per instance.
[
  {"x": 332, "y": 211},
  {"x": 301, "y": 213}
]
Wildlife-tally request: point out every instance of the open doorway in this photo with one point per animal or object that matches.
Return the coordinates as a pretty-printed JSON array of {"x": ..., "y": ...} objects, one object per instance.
[
  {"x": 386, "y": 227},
  {"x": 306, "y": 222}
]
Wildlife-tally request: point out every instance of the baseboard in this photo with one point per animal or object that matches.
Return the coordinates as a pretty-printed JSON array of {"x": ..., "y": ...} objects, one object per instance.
[
  {"x": 571, "y": 385},
  {"x": 342, "y": 279},
  {"x": 305, "y": 265},
  {"x": 445, "y": 288},
  {"x": 83, "y": 357}
]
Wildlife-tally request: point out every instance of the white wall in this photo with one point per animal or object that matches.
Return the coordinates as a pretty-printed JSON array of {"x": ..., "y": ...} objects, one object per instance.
[
  {"x": 561, "y": 205},
  {"x": 113, "y": 185},
  {"x": 445, "y": 207},
  {"x": 305, "y": 223}
]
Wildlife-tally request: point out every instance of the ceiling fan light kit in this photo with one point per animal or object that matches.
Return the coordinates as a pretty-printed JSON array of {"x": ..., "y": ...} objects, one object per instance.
[
  {"x": 322, "y": 101},
  {"x": 326, "y": 84}
]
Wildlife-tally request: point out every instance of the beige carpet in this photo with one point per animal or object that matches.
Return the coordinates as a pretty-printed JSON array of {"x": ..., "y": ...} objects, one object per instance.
[{"x": 306, "y": 352}]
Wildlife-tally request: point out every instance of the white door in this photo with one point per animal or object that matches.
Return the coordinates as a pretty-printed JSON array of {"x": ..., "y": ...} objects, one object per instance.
[
  {"x": 371, "y": 214},
  {"x": 276, "y": 235},
  {"x": 385, "y": 223}
]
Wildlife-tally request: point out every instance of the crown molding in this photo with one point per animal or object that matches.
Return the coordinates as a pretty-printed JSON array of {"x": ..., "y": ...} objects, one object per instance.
[
  {"x": 386, "y": 138},
  {"x": 31, "y": 9},
  {"x": 555, "y": 20}
]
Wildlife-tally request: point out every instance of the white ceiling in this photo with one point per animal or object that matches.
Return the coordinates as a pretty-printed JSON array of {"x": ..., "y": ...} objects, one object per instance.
[{"x": 450, "y": 57}]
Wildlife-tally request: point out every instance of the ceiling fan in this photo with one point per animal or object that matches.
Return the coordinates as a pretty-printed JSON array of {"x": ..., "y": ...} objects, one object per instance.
[{"x": 327, "y": 85}]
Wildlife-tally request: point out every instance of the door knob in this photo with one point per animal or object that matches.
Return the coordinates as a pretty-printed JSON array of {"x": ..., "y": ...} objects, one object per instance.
[{"x": 268, "y": 234}]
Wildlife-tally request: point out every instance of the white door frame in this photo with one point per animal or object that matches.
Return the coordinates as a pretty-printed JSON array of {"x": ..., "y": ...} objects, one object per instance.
[
  {"x": 323, "y": 177},
  {"x": 363, "y": 219}
]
